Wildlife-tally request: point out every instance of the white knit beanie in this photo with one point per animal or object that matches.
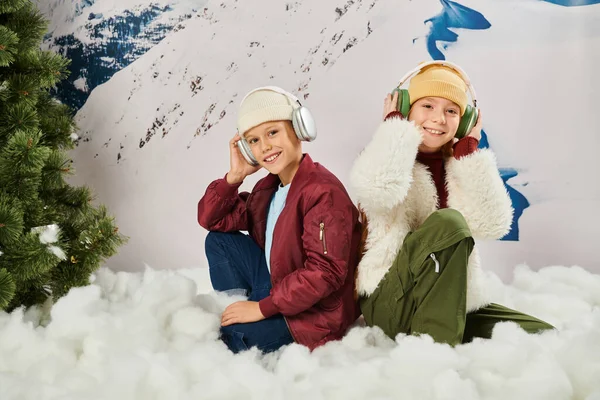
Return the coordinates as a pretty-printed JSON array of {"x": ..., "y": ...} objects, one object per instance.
[{"x": 263, "y": 106}]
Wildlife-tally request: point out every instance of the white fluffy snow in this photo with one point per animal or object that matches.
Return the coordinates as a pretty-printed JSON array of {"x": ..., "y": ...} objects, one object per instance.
[
  {"x": 81, "y": 84},
  {"x": 48, "y": 235},
  {"x": 148, "y": 335},
  {"x": 74, "y": 17}
]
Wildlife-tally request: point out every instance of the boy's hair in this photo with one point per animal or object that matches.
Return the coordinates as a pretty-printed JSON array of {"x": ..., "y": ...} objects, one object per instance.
[{"x": 439, "y": 81}]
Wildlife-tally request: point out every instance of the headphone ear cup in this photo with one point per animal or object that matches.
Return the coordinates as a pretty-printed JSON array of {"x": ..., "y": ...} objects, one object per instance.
[
  {"x": 403, "y": 102},
  {"x": 246, "y": 152},
  {"x": 467, "y": 122},
  {"x": 304, "y": 124}
]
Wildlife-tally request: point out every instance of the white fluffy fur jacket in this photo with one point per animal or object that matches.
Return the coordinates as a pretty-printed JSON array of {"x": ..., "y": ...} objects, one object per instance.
[{"x": 397, "y": 194}]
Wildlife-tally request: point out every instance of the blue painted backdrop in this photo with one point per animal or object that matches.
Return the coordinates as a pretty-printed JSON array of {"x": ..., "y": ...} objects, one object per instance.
[
  {"x": 133, "y": 34},
  {"x": 455, "y": 15}
]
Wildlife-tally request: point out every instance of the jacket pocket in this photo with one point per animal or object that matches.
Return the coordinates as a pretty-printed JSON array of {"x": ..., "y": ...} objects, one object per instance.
[
  {"x": 437, "y": 263},
  {"x": 322, "y": 237},
  {"x": 330, "y": 303},
  {"x": 397, "y": 287}
]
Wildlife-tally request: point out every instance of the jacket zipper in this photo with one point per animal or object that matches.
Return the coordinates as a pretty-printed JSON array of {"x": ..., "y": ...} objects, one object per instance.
[
  {"x": 437, "y": 264},
  {"x": 322, "y": 237},
  {"x": 284, "y": 317}
]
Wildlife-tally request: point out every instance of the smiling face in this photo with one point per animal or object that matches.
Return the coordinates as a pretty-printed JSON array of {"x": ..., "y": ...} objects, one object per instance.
[
  {"x": 438, "y": 119},
  {"x": 276, "y": 148}
]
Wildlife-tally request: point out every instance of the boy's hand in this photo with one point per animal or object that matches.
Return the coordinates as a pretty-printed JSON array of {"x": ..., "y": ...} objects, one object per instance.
[
  {"x": 476, "y": 131},
  {"x": 241, "y": 312},
  {"x": 239, "y": 168},
  {"x": 390, "y": 104}
]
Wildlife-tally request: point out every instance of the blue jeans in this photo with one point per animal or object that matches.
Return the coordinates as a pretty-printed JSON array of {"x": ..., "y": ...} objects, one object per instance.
[{"x": 238, "y": 266}]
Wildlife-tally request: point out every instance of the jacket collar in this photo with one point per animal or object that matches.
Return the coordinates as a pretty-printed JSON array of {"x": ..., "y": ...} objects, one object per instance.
[{"x": 271, "y": 181}]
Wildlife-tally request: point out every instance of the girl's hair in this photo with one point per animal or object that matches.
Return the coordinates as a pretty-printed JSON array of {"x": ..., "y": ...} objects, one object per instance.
[
  {"x": 361, "y": 245},
  {"x": 447, "y": 149}
]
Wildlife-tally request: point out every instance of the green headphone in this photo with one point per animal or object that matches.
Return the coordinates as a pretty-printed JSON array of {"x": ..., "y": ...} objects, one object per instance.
[{"x": 469, "y": 118}]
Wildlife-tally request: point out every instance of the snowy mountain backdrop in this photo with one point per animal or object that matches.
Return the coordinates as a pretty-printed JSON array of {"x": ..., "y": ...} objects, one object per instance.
[{"x": 157, "y": 85}]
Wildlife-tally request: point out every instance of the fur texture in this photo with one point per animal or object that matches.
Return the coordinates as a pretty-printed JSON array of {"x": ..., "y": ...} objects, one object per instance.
[{"x": 397, "y": 195}]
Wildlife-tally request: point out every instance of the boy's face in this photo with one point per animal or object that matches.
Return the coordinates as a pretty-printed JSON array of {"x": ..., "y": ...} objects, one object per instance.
[
  {"x": 275, "y": 146},
  {"x": 438, "y": 119}
]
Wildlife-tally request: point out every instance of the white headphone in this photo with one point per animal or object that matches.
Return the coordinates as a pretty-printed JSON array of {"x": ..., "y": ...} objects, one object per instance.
[{"x": 302, "y": 121}]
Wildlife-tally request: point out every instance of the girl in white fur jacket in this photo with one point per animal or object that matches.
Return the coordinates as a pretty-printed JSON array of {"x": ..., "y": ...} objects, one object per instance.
[{"x": 427, "y": 193}]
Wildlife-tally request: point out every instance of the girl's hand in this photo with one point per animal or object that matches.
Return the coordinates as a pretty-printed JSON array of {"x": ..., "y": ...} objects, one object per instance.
[
  {"x": 390, "y": 104},
  {"x": 476, "y": 131}
]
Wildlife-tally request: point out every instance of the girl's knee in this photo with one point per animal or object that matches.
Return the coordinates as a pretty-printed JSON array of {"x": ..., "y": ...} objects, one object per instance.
[{"x": 449, "y": 219}]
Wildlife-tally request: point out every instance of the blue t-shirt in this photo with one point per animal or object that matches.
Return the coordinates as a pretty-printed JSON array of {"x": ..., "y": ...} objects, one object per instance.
[{"x": 275, "y": 208}]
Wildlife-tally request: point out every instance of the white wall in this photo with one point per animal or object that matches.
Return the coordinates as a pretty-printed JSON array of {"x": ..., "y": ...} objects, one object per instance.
[{"x": 534, "y": 71}]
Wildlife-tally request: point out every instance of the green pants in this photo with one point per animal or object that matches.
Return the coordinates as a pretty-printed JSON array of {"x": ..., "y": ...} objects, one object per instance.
[{"x": 425, "y": 290}]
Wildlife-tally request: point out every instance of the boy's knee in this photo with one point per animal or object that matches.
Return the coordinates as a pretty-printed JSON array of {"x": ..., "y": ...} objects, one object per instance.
[
  {"x": 215, "y": 241},
  {"x": 212, "y": 242},
  {"x": 212, "y": 239}
]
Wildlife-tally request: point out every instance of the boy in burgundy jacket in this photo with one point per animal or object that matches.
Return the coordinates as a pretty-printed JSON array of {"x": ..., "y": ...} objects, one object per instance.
[{"x": 297, "y": 265}]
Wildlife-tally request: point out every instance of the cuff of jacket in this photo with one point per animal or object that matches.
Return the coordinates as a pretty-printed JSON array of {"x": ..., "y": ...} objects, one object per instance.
[
  {"x": 267, "y": 307},
  {"x": 465, "y": 146},
  {"x": 394, "y": 114},
  {"x": 225, "y": 190}
]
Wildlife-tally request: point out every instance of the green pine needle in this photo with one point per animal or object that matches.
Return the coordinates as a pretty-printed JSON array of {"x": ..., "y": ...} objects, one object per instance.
[
  {"x": 7, "y": 6},
  {"x": 11, "y": 219},
  {"x": 35, "y": 131},
  {"x": 7, "y": 288},
  {"x": 8, "y": 43}
]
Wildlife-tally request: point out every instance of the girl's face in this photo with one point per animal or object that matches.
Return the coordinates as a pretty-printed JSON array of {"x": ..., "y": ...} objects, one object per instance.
[
  {"x": 438, "y": 119},
  {"x": 276, "y": 148}
]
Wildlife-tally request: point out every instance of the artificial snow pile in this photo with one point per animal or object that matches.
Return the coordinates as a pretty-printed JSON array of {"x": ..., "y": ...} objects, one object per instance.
[
  {"x": 49, "y": 235},
  {"x": 154, "y": 335}
]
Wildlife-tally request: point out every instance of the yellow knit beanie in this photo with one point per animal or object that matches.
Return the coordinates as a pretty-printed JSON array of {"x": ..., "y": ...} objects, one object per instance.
[
  {"x": 439, "y": 81},
  {"x": 263, "y": 106}
]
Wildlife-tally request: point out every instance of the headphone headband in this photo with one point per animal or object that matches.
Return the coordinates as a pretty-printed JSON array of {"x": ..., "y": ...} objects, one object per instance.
[
  {"x": 302, "y": 121},
  {"x": 448, "y": 64},
  {"x": 274, "y": 89}
]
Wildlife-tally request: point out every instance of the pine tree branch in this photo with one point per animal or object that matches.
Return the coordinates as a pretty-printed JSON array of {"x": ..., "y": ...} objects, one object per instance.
[
  {"x": 28, "y": 259},
  {"x": 11, "y": 220},
  {"x": 7, "y": 288},
  {"x": 44, "y": 69},
  {"x": 56, "y": 122},
  {"x": 21, "y": 163},
  {"x": 34, "y": 131},
  {"x": 57, "y": 166},
  {"x": 8, "y": 6},
  {"x": 95, "y": 244},
  {"x": 8, "y": 46},
  {"x": 22, "y": 89},
  {"x": 3, "y": 96},
  {"x": 29, "y": 24}
]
